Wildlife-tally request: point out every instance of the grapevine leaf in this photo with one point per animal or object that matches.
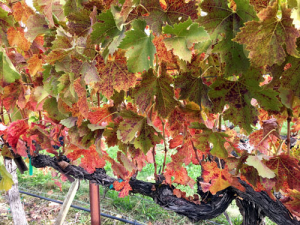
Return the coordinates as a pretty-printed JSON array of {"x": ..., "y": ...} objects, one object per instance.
[
  {"x": 287, "y": 171},
  {"x": 122, "y": 14},
  {"x": 216, "y": 138},
  {"x": 218, "y": 141},
  {"x": 219, "y": 178},
  {"x": 262, "y": 4},
  {"x": 267, "y": 48},
  {"x": 160, "y": 87},
  {"x": 193, "y": 89},
  {"x": 184, "y": 36},
  {"x": 50, "y": 8},
  {"x": 266, "y": 97},
  {"x": 125, "y": 191},
  {"x": 140, "y": 49},
  {"x": 72, "y": 6},
  {"x": 105, "y": 29},
  {"x": 221, "y": 19},
  {"x": 22, "y": 11},
  {"x": 107, "y": 33},
  {"x": 36, "y": 25},
  {"x": 156, "y": 16},
  {"x": 14, "y": 131},
  {"x": 6, "y": 182},
  {"x": 261, "y": 168},
  {"x": 91, "y": 159},
  {"x": 100, "y": 115},
  {"x": 180, "y": 175},
  {"x": 125, "y": 161},
  {"x": 40, "y": 94},
  {"x": 79, "y": 23},
  {"x": 69, "y": 122},
  {"x": 35, "y": 65},
  {"x": 294, "y": 203},
  {"x": 89, "y": 71},
  {"x": 134, "y": 124},
  {"x": 290, "y": 77},
  {"x": 241, "y": 112},
  {"x": 50, "y": 106},
  {"x": 114, "y": 75},
  {"x": 16, "y": 37},
  {"x": 8, "y": 72}
]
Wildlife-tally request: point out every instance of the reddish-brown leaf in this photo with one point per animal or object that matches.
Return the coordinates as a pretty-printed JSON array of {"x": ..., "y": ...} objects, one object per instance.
[
  {"x": 287, "y": 170},
  {"x": 100, "y": 115},
  {"x": 114, "y": 75},
  {"x": 91, "y": 159}
]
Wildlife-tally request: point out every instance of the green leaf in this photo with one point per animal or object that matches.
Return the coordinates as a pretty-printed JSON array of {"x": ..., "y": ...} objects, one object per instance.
[
  {"x": 290, "y": 78},
  {"x": 140, "y": 49},
  {"x": 69, "y": 122},
  {"x": 193, "y": 89},
  {"x": 266, "y": 97},
  {"x": 261, "y": 168},
  {"x": 184, "y": 35},
  {"x": 106, "y": 30},
  {"x": 176, "y": 10},
  {"x": 72, "y": 6},
  {"x": 135, "y": 129},
  {"x": 50, "y": 106},
  {"x": 268, "y": 38},
  {"x": 238, "y": 97},
  {"x": 8, "y": 72},
  {"x": 218, "y": 141},
  {"x": 160, "y": 87},
  {"x": 6, "y": 20},
  {"x": 79, "y": 22},
  {"x": 223, "y": 23},
  {"x": 6, "y": 182},
  {"x": 207, "y": 135},
  {"x": 94, "y": 127}
]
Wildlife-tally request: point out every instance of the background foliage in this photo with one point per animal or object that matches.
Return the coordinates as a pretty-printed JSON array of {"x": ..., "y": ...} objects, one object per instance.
[{"x": 80, "y": 76}]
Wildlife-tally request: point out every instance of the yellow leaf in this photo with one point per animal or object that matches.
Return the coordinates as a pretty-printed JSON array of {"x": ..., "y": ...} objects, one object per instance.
[
  {"x": 6, "y": 181},
  {"x": 16, "y": 38},
  {"x": 35, "y": 65},
  {"x": 22, "y": 11}
]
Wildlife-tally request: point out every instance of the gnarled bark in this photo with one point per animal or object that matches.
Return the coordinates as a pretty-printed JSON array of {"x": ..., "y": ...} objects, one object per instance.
[{"x": 163, "y": 195}]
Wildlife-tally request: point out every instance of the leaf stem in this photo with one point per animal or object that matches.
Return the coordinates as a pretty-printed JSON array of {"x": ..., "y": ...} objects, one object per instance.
[
  {"x": 98, "y": 99},
  {"x": 155, "y": 165},
  {"x": 166, "y": 150},
  {"x": 220, "y": 122},
  {"x": 196, "y": 153},
  {"x": 288, "y": 139},
  {"x": 2, "y": 115}
]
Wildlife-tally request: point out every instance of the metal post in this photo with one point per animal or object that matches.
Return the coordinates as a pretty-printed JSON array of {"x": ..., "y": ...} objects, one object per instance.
[{"x": 95, "y": 204}]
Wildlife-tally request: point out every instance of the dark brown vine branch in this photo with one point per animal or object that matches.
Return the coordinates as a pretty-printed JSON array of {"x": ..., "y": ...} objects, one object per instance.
[{"x": 163, "y": 194}]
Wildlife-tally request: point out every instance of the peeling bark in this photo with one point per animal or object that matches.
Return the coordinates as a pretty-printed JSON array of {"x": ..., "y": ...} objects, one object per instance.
[
  {"x": 252, "y": 215},
  {"x": 163, "y": 195},
  {"x": 13, "y": 195}
]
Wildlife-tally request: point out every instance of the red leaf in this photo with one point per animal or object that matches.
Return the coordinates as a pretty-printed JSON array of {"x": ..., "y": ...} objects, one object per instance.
[
  {"x": 91, "y": 159},
  {"x": 100, "y": 115},
  {"x": 125, "y": 190},
  {"x": 14, "y": 131},
  {"x": 118, "y": 186}
]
